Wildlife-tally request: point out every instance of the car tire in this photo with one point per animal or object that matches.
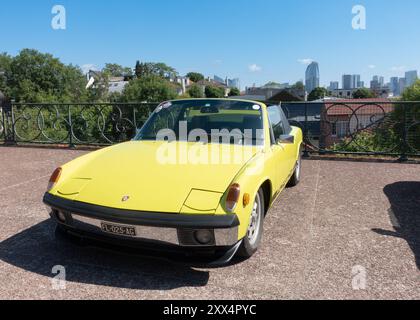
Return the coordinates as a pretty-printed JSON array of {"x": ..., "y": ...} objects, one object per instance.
[
  {"x": 252, "y": 240},
  {"x": 295, "y": 179}
]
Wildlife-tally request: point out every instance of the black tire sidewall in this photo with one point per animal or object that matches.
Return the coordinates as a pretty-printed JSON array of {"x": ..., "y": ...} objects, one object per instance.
[
  {"x": 295, "y": 179},
  {"x": 247, "y": 249}
]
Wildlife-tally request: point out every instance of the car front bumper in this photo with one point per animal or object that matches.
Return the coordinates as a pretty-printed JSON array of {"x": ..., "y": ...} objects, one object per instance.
[{"x": 161, "y": 228}]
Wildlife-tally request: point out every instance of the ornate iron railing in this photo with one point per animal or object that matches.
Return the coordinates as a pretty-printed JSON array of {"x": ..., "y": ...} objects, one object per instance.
[
  {"x": 359, "y": 127},
  {"x": 72, "y": 124},
  {"x": 332, "y": 127}
]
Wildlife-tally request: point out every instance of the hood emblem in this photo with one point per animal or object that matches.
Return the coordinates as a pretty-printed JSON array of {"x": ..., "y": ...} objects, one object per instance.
[{"x": 125, "y": 199}]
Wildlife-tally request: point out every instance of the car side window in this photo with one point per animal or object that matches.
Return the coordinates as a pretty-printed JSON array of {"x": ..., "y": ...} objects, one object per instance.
[
  {"x": 286, "y": 125},
  {"x": 276, "y": 122}
]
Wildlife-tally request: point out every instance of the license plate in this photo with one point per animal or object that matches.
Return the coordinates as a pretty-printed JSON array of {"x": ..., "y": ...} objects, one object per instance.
[{"x": 118, "y": 230}]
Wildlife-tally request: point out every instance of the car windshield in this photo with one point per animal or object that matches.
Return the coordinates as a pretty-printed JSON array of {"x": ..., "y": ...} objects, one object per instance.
[{"x": 209, "y": 121}]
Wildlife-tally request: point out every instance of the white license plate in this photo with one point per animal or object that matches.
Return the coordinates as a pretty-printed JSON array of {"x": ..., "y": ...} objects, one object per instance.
[{"x": 118, "y": 229}]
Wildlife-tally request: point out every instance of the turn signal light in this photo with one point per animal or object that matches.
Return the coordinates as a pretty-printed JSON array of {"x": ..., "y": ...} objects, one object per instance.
[
  {"x": 233, "y": 197},
  {"x": 247, "y": 199},
  {"x": 54, "y": 179}
]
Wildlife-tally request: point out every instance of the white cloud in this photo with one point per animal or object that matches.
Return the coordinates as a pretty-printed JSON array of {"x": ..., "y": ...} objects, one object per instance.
[
  {"x": 217, "y": 62},
  {"x": 398, "y": 68},
  {"x": 254, "y": 68},
  {"x": 306, "y": 61},
  {"x": 371, "y": 66},
  {"x": 87, "y": 67}
]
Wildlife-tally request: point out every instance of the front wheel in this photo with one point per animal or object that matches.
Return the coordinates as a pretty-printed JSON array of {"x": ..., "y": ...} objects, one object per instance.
[
  {"x": 295, "y": 179},
  {"x": 254, "y": 234}
]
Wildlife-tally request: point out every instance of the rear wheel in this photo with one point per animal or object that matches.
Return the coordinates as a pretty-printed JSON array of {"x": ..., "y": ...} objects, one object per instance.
[
  {"x": 295, "y": 179},
  {"x": 254, "y": 234}
]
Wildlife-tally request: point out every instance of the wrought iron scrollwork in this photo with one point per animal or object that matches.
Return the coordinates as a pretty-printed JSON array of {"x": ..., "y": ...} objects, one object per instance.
[
  {"x": 76, "y": 124},
  {"x": 329, "y": 127},
  {"x": 388, "y": 128}
]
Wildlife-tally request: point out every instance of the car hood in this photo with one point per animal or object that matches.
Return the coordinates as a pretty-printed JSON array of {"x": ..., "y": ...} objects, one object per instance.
[{"x": 146, "y": 176}]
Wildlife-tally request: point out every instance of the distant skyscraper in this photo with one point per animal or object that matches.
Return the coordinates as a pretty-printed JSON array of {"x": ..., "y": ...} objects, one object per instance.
[
  {"x": 234, "y": 83},
  {"x": 347, "y": 82},
  {"x": 355, "y": 81},
  {"x": 394, "y": 86},
  {"x": 351, "y": 81},
  {"x": 334, "y": 85},
  {"x": 402, "y": 85},
  {"x": 377, "y": 82},
  {"x": 219, "y": 79},
  {"x": 410, "y": 78},
  {"x": 312, "y": 77}
]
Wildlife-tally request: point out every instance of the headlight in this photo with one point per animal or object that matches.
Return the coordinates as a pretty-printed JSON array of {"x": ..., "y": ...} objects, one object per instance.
[
  {"x": 54, "y": 179},
  {"x": 233, "y": 197},
  {"x": 204, "y": 237}
]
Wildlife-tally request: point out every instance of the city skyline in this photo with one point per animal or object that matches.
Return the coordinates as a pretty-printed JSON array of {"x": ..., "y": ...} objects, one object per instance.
[{"x": 179, "y": 34}]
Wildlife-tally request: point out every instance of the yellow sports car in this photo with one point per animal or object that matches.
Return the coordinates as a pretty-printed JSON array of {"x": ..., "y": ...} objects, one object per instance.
[{"x": 196, "y": 181}]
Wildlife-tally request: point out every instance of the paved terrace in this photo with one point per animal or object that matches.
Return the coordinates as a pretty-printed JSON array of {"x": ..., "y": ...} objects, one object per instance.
[{"x": 342, "y": 215}]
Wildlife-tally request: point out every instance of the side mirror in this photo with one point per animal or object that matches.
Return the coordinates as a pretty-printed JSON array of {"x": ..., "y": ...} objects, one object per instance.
[{"x": 286, "y": 139}]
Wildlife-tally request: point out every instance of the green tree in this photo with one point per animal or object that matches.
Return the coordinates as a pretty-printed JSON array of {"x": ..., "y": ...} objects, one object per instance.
[
  {"x": 116, "y": 70},
  {"x": 412, "y": 93},
  {"x": 5, "y": 61},
  {"x": 298, "y": 86},
  {"x": 363, "y": 93},
  {"x": 138, "y": 69},
  {"x": 234, "y": 92},
  {"x": 317, "y": 93},
  {"x": 272, "y": 84},
  {"x": 195, "y": 91},
  {"x": 99, "y": 91},
  {"x": 195, "y": 76},
  {"x": 388, "y": 136},
  {"x": 38, "y": 77},
  {"x": 149, "y": 89},
  {"x": 214, "y": 92},
  {"x": 145, "y": 69},
  {"x": 409, "y": 114}
]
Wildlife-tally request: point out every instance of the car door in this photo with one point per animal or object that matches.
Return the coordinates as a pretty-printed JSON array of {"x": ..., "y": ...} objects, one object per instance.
[
  {"x": 279, "y": 161},
  {"x": 289, "y": 148}
]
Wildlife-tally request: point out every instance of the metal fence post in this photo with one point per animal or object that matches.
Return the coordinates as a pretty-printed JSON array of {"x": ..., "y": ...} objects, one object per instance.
[
  {"x": 3, "y": 119},
  {"x": 305, "y": 137},
  {"x": 404, "y": 157},
  {"x": 70, "y": 126},
  {"x": 9, "y": 121},
  {"x": 12, "y": 114}
]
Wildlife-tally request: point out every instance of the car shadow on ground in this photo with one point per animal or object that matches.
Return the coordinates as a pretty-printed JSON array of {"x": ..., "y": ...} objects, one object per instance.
[
  {"x": 38, "y": 249},
  {"x": 404, "y": 214}
]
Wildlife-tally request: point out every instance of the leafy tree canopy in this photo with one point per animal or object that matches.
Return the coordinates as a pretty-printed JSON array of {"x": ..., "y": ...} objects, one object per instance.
[
  {"x": 149, "y": 89},
  {"x": 195, "y": 91},
  {"x": 363, "y": 93},
  {"x": 145, "y": 69},
  {"x": 195, "y": 76},
  {"x": 317, "y": 93},
  {"x": 116, "y": 70},
  {"x": 214, "y": 92},
  {"x": 299, "y": 86},
  {"x": 5, "y": 61},
  {"x": 36, "y": 77},
  {"x": 234, "y": 92},
  {"x": 412, "y": 93}
]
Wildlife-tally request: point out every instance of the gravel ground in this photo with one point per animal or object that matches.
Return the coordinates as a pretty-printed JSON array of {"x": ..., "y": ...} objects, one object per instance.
[{"x": 344, "y": 223}]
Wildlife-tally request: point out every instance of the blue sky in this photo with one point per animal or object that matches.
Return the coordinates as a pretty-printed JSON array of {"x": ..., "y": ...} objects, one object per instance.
[{"x": 223, "y": 37}]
